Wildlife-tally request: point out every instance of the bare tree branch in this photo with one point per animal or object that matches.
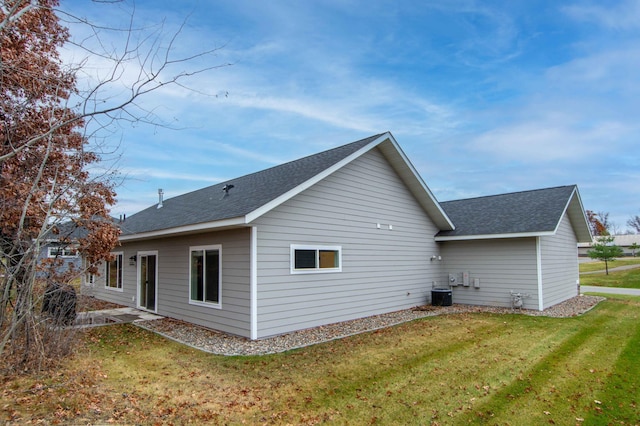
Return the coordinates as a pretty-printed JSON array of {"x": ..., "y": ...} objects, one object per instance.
[{"x": 53, "y": 134}]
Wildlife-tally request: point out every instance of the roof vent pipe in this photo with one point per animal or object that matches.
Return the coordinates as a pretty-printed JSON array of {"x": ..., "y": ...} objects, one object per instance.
[{"x": 160, "y": 194}]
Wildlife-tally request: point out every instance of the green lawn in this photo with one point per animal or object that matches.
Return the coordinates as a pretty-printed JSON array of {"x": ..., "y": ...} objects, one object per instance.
[
  {"x": 624, "y": 279},
  {"x": 599, "y": 265},
  {"x": 457, "y": 369}
]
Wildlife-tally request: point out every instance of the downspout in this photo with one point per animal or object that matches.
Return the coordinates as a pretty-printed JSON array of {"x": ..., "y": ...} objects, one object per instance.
[
  {"x": 539, "y": 274},
  {"x": 253, "y": 282}
]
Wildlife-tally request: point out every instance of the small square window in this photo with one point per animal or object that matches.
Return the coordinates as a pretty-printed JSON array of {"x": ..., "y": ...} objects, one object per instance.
[
  {"x": 305, "y": 259},
  {"x": 328, "y": 259}
]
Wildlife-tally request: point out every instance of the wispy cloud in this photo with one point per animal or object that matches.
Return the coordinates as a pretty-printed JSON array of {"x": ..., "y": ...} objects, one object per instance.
[
  {"x": 601, "y": 71},
  {"x": 332, "y": 116},
  {"x": 146, "y": 174},
  {"x": 624, "y": 15},
  {"x": 483, "y": 98},
  {"x": 548, "y": 141},
  {"x": 247, "y": 154}
]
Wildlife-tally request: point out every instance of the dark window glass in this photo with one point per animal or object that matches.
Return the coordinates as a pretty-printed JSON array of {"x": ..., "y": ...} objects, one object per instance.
[
  {"x": 114, "y": 272},
  {"x": 212, "y": 275},
  {"x": 305, "y": 259},
  {"x": 205, "y": 276}
]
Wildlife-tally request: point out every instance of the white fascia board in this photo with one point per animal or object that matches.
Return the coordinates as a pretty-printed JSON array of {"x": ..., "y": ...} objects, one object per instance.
[
  {"x": 577, "y": 213},
  {"x": 187, "y": 229},
  {"x": 495, "y": 236},
  {"x": 433, "y": 207},
  {"x": 317, "y": 178},
  {"x": 565, "y": 210},
  {"x": 577, "y": 216}
]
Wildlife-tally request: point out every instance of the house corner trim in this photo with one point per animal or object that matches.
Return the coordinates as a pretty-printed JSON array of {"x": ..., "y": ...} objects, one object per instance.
[
  {"x": 539, "y": 274},
  {"x": 253, "y": 282}
]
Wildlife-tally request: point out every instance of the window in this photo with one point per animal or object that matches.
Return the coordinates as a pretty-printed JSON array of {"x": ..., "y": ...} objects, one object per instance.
[
  {"x": 309, "y": 259},
  {"x": 205, "y": 275},
  {"x": 114, "y": 272},
  {"x": 3, "y": 266},
  {"x": 90, "y": 279},
  {"x": 60, "y": 251}
]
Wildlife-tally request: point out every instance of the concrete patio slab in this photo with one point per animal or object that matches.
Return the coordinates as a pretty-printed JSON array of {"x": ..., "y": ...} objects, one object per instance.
[{"x": 112, "y": 316}]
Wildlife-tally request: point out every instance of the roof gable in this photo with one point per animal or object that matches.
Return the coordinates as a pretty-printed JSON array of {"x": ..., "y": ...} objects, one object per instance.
[
  {"x": 526, "y": 213},
  {"x": 255, "y": 194}
]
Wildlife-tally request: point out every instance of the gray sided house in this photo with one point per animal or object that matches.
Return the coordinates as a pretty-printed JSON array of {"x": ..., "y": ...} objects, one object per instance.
[
  {"x": 523, "y": 244},
  {"x": 66, "y": 253},
  {"x": 63, "y": 247},
  {"x": 343, "y": 234}
]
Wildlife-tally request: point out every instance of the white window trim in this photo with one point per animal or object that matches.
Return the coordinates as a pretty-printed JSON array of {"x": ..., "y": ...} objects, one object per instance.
[
  {"x": 317, "y": 248},
  {"x": 106, "y": 278},
  {"x": 198, "y": 302},
  {"x": 63, "y": 249},
  {"x": 138, "y": 273},
  {"x": 90, "y": 279}
]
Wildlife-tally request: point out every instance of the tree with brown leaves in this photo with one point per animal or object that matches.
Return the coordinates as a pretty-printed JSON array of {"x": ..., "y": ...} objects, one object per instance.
[
  {"x": 45, "y": 161},
  {"x": 43, "y": 173},
  {"x": 598, "y": 222}
]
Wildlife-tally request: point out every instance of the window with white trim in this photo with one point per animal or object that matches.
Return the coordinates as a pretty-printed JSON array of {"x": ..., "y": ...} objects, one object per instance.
[
  {"x": 61, "y": 251},
  {"x": 113, "y": 276},
  {"x": 205, "y": 275},
  {"x": 90, "y": 279},
  {"x": 307, "y": 259}
]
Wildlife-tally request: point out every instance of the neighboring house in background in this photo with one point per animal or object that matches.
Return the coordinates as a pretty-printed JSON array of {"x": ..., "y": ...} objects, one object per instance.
[
  {"x": 63, "y": 246},
  {"x": 54, "y": 249},
  {"x": 347, "y": 233},
  {"x": 625, "y": 242}
]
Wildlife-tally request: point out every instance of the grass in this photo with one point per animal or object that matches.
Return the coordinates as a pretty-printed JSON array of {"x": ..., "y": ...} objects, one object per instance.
[
  {"x": 456, "y": 369},
  {"x": 625, "y": 279},
  {"x": 599, "y": 265}
]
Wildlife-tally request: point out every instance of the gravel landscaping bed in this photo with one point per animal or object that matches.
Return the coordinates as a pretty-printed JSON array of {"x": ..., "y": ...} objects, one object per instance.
[{"x": 225, "y": 344}]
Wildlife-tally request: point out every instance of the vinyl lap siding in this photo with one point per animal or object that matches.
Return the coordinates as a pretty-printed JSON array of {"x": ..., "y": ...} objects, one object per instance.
[
  {"x": 173, "y": 280},
  {"x": 559, "y": 265},
  {"x": 97, "y": 289},
  {"x": 502, "y": 265},
  {"x": 383, "y": 270}
]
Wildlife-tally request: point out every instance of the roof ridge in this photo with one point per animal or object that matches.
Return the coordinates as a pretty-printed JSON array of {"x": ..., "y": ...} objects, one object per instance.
[{"x": 509, "y": 193}]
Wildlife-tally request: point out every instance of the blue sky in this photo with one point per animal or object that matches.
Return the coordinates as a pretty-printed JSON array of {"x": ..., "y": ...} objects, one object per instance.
[{"x": 484, "y": 97}]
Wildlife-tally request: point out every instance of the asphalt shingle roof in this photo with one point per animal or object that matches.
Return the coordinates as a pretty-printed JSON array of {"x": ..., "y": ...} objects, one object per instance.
[
  {"x": 249, "y": 193},
  {"x": 523, "y": 212},
  {"x": 514, "y": 213}
]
